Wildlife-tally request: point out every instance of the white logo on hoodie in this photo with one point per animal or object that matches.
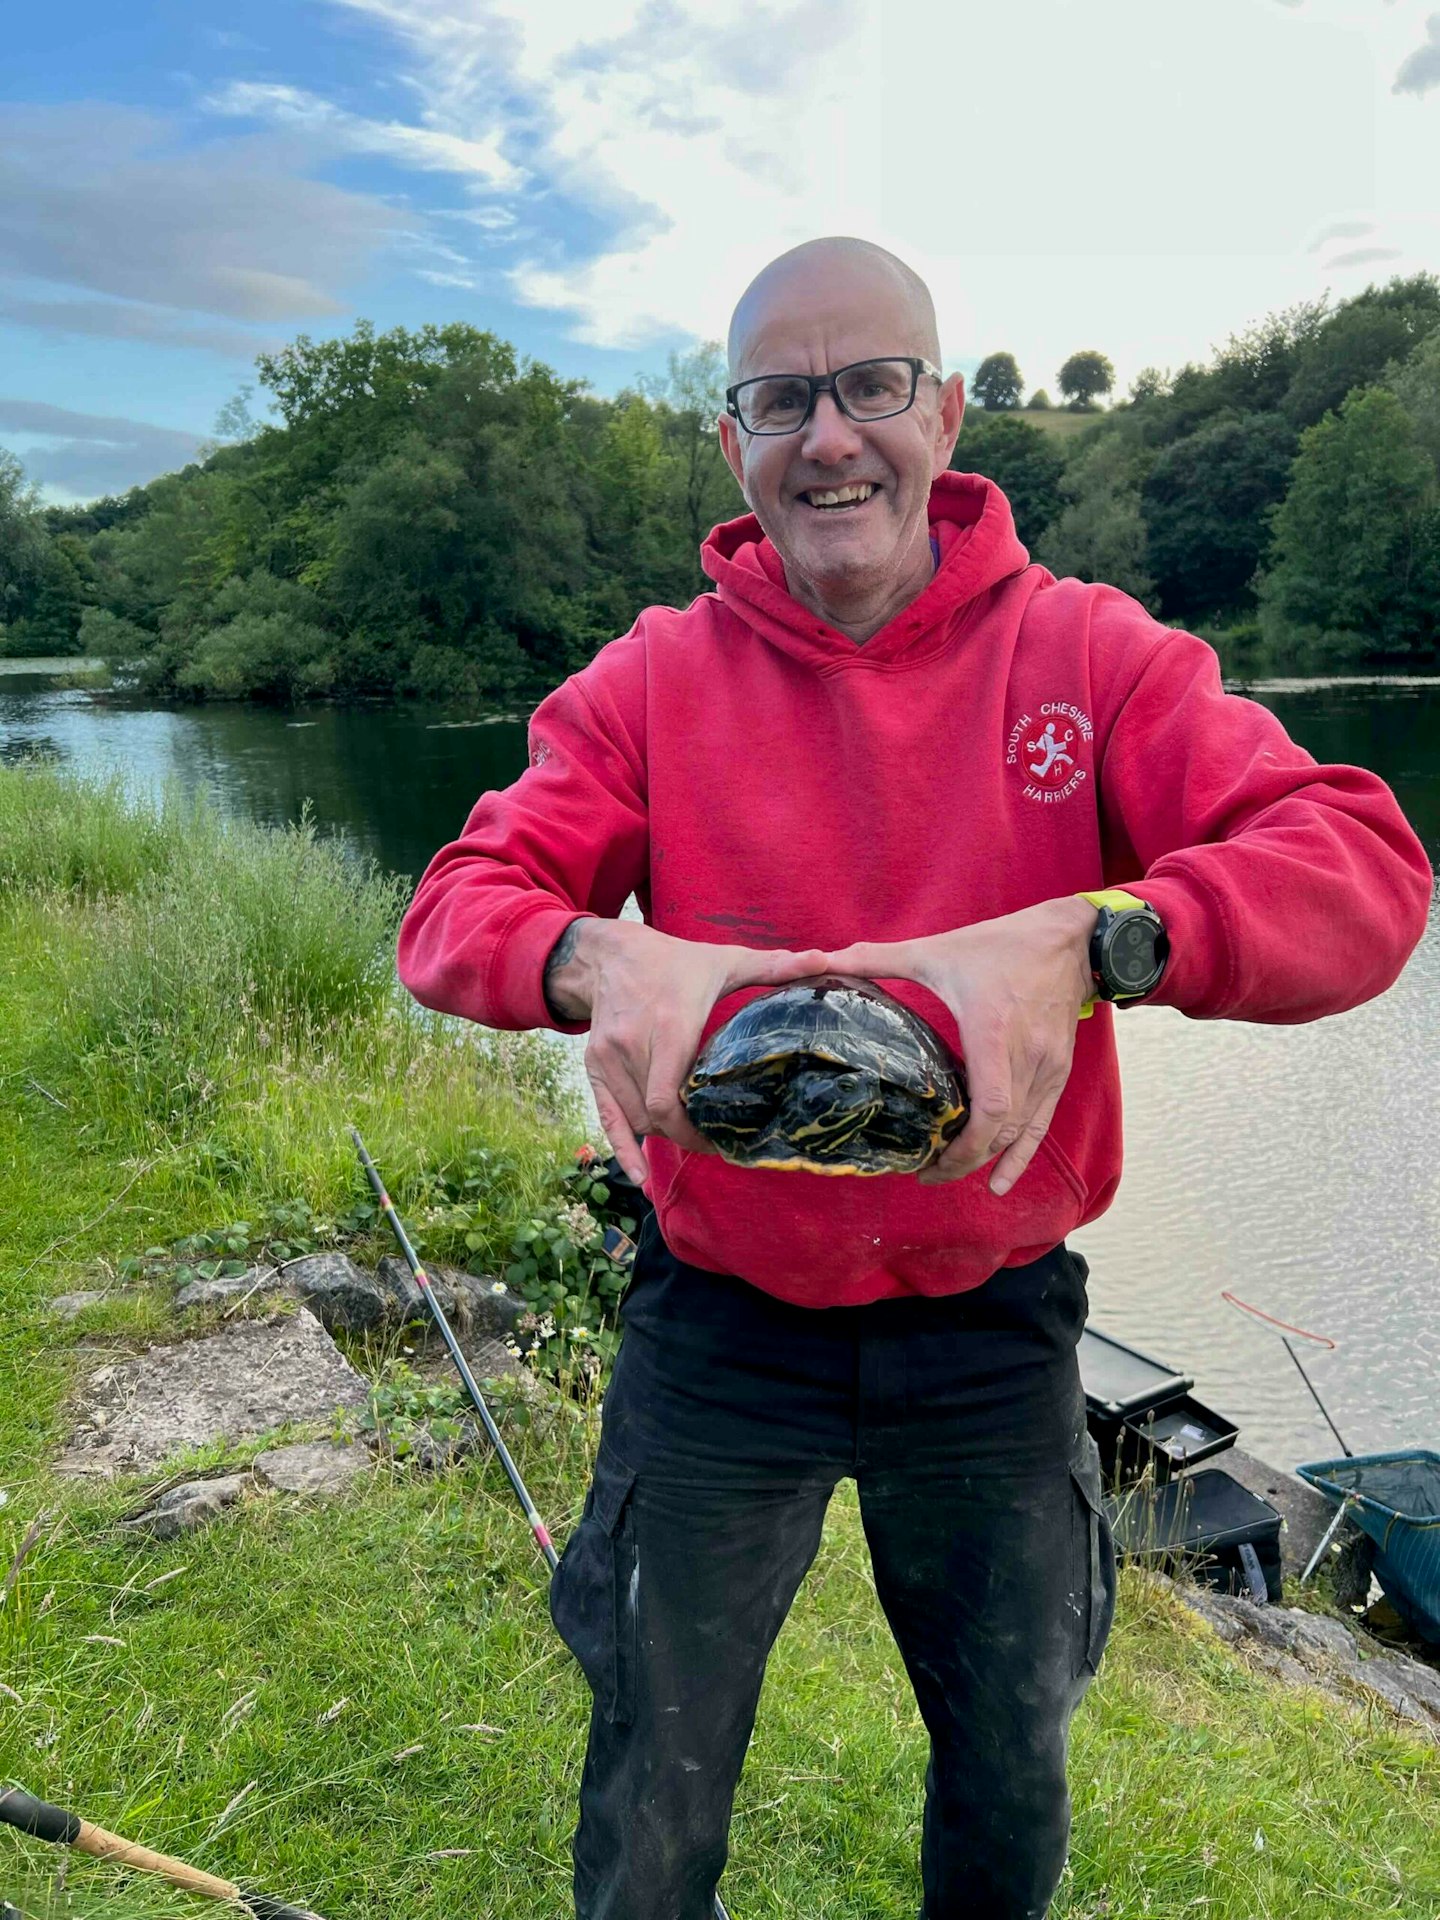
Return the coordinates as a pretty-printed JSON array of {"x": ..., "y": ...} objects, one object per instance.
[{"x": 1045, "y": 748}]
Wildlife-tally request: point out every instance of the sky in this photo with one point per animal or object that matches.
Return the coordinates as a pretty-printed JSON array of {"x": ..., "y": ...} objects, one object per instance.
[{"x": 187, "y": 183}]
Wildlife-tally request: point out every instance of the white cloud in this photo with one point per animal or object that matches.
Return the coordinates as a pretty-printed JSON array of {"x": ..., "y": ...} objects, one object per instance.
[
  {"x": 427, "y": 148},
  {"x": 1421, "y": 69},
  {"x": 1061, "y": 179}
]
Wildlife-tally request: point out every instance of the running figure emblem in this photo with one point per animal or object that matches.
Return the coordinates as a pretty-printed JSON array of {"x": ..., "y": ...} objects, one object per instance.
[{"x": 1046, "y": 747}]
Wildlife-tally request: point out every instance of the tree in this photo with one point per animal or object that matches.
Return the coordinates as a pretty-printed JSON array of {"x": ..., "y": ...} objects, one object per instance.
[
  {"x": 690, "y": 400},
  {"x": 1149, "y": 384},
  {"x": 997, "y": 384},
  {"x": 1356, "y": 567},
  {"x": 1099, "y": 534},
  {"x": 23, "y": 545},
  {"x": 1084, "y": 377},
  {"x": 1357, "y": 343},
  {"x": 1416, "y": 385},
  {"x": 1024, "y": 463},
  {"x": 1206, "y": 503},
  {"x": 1039, "y": 401}
]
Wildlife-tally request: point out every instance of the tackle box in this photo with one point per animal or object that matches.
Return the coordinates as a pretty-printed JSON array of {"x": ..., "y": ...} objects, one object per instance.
[
  {"x": 1203, "y": 1522},
  {"x": 1166, "y": 1440},
  {"x": 1120, "y": 1384}
]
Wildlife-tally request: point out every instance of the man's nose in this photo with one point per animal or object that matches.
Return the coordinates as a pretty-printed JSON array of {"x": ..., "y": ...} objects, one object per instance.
[{"x": 828, "y": 436}]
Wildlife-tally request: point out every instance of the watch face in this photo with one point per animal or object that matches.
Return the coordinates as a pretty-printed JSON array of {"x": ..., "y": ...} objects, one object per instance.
[{"x": 1130, "y": 954}]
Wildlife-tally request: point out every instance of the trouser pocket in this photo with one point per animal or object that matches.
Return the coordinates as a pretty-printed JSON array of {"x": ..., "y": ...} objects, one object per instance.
[
  {"x": 1095, "y": 1547},
  {"x": 595, "y": 1590}
]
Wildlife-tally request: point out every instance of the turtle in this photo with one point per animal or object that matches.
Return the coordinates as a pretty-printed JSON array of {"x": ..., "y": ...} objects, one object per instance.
[{"x": 832, "y": 1075}]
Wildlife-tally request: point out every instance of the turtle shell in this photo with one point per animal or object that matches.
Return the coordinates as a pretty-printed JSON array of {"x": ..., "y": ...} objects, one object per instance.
[{"x": 832, "y": 1075}]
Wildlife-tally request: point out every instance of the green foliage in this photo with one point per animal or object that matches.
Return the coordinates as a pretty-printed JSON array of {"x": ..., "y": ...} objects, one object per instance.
[
  {"x": 556, "y": 1258},
  {"x": 1149, "y": 384},
  {"x": 1084, "y": 377},
  {"x": 1039, "y": 401},
  {"x": 288, "y": 1230},
  {"x": 1099, "y": 534},
  {"x": 1205, "y": 503},
  {"x": 403, "y": 1408},
  {"x": 58, "y": 834},
  {"x": 1354, "y": 346},
  {"x": 1356, "y": 567},
  {"x": 997, "y": 384},
  {"x": 260, "y": 636},
  {"x": 24, "y": 553},
  {"x": 1415, "y": 382},
  {"x": 1024, "y": 463}
]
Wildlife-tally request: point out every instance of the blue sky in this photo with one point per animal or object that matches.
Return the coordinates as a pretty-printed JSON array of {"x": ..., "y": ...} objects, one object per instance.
[{"x": 183, "y": 185}]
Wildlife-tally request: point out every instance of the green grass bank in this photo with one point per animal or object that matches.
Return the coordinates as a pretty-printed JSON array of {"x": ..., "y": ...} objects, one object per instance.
[{"x": 363, "y": 1706}]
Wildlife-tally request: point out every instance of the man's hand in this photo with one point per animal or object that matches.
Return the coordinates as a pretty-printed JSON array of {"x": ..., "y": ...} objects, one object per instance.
[
  {"x": 1015, "y": 986},
  {"x": 647, "y": 996}
]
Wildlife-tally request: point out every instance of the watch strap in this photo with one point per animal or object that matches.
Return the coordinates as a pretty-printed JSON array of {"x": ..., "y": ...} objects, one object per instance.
[{"x": 1117, "y": 900}]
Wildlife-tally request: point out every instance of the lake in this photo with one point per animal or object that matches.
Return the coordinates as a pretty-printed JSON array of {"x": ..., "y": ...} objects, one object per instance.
[{"x": 1294, "y": 1165}]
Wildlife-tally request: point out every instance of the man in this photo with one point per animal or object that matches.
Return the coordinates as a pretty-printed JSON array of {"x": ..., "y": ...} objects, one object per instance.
[{"x": 885, "y": 746}]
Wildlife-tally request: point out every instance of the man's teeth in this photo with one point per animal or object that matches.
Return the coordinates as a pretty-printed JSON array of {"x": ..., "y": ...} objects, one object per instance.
[{"x": 840, "y": 496}]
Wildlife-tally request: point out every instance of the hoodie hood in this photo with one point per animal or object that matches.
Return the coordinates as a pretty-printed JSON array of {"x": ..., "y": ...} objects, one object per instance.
[{"x": 970, "y": 523}]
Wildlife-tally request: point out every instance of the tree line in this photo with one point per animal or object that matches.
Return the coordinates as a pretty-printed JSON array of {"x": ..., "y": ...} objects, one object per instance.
[{"x": 432, "y": 516}]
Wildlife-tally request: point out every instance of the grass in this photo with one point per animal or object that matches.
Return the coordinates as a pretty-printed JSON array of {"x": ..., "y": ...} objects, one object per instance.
[
  {"x": 364, "y": 1706},
  {"x": 1055, "y": 420}
]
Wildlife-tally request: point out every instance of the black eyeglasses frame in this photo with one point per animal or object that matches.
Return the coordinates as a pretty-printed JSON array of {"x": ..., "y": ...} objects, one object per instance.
[{"x": 819, "y": 383}]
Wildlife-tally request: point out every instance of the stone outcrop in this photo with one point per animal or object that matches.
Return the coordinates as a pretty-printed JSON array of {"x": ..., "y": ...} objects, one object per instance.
[
  {"x": 257, "y": 1375},
  {"x": 1317, "y": 1650},
  {"x": 186, "y": 1508},
  {"x": 315, "y": 1467}
]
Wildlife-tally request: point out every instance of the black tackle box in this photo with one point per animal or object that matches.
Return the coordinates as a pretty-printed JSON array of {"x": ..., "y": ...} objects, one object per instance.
[
  {"x": 1166, "y": 1440},
  {"x": 1205, "y": 1523},
  {"x": 1122, "y": 1383}
]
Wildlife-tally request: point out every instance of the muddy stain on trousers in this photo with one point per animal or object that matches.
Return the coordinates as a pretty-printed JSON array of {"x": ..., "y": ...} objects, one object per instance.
[{"x": 729, "y": 1420}]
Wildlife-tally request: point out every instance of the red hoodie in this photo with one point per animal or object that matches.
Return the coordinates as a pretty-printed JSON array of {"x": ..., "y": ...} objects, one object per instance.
[{"x": 754, "y": 776}]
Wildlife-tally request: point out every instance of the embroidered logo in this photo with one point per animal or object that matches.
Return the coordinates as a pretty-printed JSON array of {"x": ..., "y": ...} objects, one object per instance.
[
  {"x": 1044, "y": 749},
  {"x": 540, "y": 752}
]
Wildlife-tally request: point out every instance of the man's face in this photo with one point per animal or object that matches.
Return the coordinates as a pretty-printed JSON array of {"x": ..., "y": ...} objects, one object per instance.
[{"x": 815, "y": 322}]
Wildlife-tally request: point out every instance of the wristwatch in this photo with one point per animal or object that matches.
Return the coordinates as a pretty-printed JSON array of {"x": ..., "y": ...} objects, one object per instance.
[{"x": 1128, "y": 948}]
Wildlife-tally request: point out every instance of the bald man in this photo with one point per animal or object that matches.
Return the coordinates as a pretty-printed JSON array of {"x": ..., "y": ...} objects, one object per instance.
[{"x": 885, "y": 745}]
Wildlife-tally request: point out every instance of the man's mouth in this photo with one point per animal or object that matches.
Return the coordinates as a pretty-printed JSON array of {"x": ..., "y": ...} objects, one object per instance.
[{"x": 839, "y": 499}]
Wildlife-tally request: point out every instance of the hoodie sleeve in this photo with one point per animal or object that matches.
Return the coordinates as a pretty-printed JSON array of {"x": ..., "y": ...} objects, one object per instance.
[
  {"x": 1289, "y": 890},
  {"x": 570, "y": 838}
]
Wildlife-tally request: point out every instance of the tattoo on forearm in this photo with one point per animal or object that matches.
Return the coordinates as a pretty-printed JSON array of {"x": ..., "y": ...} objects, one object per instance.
[{"x": 562, "y": 952}]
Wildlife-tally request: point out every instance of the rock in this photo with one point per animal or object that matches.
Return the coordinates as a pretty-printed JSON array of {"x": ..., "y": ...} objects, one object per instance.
[
  {"x": 313, "y": 1466},
  {"x": 1315, "y": 1650},
  {"x": 343, "y": 1298},
  {"x": 186, "y": 1508},
  {"x": 1412, "y": 1688},
  {"x": 404, "y": 1295},
  {"x": 67, "y": 1305},
  {"x": 215, "y": 1293},
  {"x": 477, "y": 1303},
  {"x": 254, "y": 1376}
]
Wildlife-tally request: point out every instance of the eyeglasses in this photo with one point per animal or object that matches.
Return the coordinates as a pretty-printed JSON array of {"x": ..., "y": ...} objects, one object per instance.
[{"x": 866, "y": 390}]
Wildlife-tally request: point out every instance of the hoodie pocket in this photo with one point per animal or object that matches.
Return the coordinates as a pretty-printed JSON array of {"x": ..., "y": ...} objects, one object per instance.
[{"x": 595, "y": 1590}]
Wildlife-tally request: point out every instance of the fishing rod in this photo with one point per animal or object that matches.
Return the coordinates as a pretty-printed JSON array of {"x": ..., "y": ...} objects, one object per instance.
[
  {"x": 1284, "y": 1329},
  {"x": 44, "y": 1822},
  {"x": 512, "y": 1472}
]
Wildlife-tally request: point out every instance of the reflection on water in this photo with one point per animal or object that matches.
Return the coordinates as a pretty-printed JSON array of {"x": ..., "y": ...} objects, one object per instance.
[{"x": 1295, "y": 1165}]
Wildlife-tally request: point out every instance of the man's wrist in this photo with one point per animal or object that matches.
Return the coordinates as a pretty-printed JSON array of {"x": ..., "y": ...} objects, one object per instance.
[
  {"x": 569, "y": 977},
  {"x": 1076, "y": 919}
]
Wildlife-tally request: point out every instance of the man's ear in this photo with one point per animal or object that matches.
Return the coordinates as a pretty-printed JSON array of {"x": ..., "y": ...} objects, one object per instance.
[
  {"x": 729, "y": 430},
  {"x": 949, "y": 414}
]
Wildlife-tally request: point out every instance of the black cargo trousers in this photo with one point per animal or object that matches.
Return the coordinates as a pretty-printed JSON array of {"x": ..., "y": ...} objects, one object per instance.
[{"x": 728, "y": 1421}]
